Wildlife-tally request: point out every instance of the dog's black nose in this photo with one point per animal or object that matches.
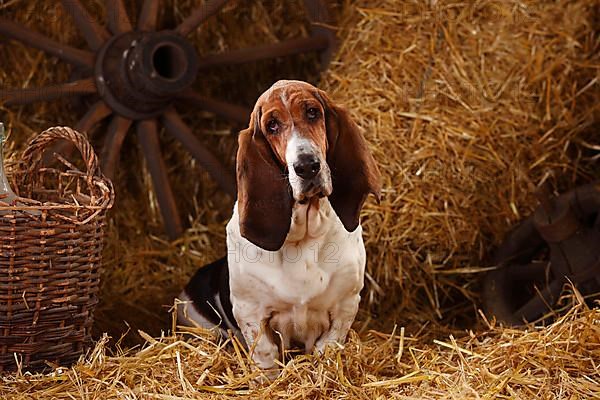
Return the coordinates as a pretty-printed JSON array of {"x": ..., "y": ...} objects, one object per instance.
[{"x": 307, "y": 166}]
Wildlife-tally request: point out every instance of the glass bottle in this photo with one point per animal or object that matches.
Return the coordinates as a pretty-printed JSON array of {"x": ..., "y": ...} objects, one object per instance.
[
  {"x": 7, "y": 196},
  {"x": 6, "y": 193}
]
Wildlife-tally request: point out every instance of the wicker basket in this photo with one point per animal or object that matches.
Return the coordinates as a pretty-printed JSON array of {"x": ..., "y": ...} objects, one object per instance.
[{"x": 50, "y": 256}]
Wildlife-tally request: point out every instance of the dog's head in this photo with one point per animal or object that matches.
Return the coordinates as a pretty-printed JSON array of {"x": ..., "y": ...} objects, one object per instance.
[{"x": 299, "y": 145}]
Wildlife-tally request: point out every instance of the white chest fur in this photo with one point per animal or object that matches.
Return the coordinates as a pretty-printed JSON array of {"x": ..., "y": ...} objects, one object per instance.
[{"x": 307, "y": 291}]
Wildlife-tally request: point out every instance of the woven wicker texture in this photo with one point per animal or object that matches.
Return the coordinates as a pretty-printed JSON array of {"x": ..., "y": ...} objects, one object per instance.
[{"x": 50, "y": 255}]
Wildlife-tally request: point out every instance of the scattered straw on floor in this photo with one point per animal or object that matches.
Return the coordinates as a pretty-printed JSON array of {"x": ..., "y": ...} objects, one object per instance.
[{"x": 559, "y": 361}]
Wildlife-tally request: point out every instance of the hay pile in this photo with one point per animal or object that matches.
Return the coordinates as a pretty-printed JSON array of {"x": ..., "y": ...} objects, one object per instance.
[
  {"x": 549, "y": 363},
  {"x": 469, "y": 107}
]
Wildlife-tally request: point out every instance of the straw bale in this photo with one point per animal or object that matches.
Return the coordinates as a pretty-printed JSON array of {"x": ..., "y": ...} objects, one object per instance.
[{"x": 469, "y": 107}]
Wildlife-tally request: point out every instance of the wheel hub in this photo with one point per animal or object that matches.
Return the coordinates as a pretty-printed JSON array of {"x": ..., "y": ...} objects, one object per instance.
[{"x": 139, "y": 73}]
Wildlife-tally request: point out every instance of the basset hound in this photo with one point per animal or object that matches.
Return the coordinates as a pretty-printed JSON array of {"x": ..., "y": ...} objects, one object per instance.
[{"x": 296, "y": 259}]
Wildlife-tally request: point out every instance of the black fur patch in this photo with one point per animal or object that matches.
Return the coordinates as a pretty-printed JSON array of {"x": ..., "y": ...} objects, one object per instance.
[{"x": 209, "y": 281}]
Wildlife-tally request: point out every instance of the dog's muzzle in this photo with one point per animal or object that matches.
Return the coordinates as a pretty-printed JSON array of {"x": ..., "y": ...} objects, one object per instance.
[
  {"x": 307, "y": 166},
  {"x": 311, "y": 176}
]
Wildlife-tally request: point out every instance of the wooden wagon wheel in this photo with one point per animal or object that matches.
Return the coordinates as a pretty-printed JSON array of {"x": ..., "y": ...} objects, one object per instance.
[
  {"x": 557, "y": 244},
  {"x": 137, "y": 73}
]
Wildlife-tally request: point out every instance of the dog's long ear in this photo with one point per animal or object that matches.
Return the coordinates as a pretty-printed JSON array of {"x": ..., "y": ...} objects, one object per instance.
[
  {"x": 264, "y": 198},
  {"x": 353, "y": 169}
]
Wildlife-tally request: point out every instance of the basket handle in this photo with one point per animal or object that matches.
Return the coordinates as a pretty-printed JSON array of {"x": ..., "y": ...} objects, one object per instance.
[{"x": 32, "y": 156}]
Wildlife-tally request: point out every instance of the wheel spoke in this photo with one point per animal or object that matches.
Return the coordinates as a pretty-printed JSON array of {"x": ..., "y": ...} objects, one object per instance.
[
  {"x": 148, "y": 16},
  {"x": 176, "y": 127},
  {"x": 97, "y": 112},
  {"x": 318, "y": 15},
  {"x": 230, "y": 111},
  {"x": 201, "y": 14},
  {"x": 540, "y": 302},
  {"x": 317, "y": 11},
  {"x": 13, "y": 97},
  {"x": 117, "y": 130},
  {"x": 147, "y": 133},
  {"x": 117, "y": 18},
  {"x": 22, "y": 34},
  {"x": 285, "y": 48},
  {"x": 95, "y": 35},
  {"x": 533, "y": 271}
]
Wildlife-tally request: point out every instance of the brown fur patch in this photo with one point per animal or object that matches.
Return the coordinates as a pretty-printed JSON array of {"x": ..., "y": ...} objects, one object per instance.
[{"x": 288, "y": 104}]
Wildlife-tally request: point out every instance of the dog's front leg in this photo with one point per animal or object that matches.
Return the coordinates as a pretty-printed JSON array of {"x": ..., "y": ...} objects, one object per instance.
[
  {"x": 342, "y": 316},
  {"x": 253, "y": 322}
]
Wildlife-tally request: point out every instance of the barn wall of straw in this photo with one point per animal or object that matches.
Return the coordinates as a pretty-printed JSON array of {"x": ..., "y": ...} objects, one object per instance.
[{"x": 468, "y": 106}]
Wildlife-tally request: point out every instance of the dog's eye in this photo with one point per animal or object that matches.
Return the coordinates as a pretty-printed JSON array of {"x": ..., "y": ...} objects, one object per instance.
[
  {"x": 273, "y": 126},
  {"x": 312, "y": 113}
]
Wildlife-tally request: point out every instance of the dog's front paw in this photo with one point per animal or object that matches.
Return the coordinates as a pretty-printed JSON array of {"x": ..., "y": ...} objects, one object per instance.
[
  {"x": 264, "y": 376},
  {"x": 269, "y": 375},
  {"x": 264, "y": 357},
  {"x": 323, "y": 344}
]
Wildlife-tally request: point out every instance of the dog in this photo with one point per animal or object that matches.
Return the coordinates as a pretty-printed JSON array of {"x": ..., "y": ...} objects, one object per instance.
[{"x": 296, "y": 259}]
